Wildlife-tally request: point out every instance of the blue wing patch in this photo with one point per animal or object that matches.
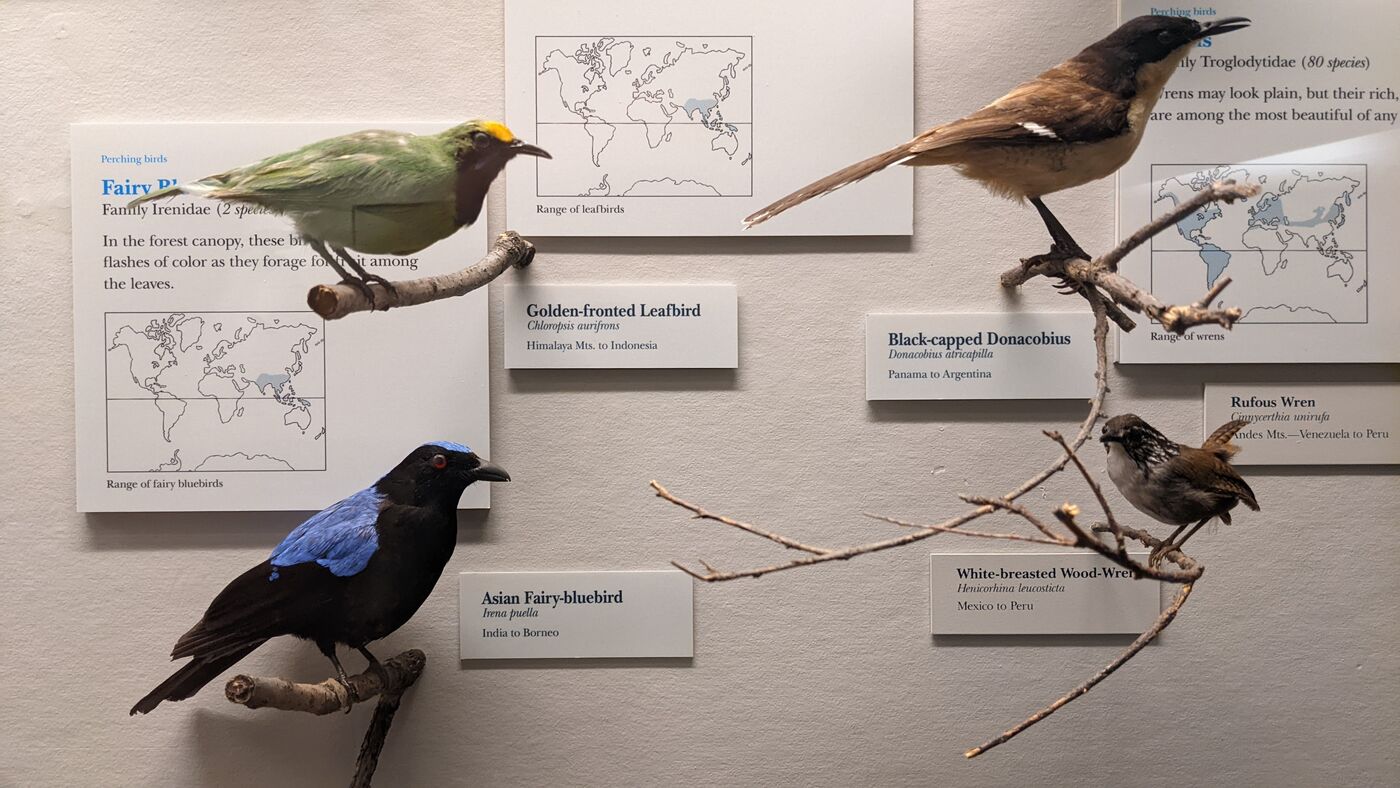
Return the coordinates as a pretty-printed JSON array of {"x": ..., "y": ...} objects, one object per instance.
[
  {"x": 341, "y": 537},
  {"x": 450, "y": 446}
]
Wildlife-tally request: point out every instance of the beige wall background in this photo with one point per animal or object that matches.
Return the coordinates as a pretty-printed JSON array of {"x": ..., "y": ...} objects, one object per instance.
[{"x": 1282, "y": 671}]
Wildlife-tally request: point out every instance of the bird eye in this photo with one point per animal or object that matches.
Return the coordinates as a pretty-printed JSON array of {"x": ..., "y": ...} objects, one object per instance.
[
  {"x": 1165, "y": 36},
  {"x": 439, "y": 461},
  {"x": 480, "y": 140}
]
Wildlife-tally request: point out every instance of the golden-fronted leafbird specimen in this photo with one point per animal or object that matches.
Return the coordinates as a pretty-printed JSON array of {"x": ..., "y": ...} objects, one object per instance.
[
  {"x": 374, "y": 192},
  {"x": 351, "y": 574},
  {"x": 1173, "y": 483},
  {"x": 1078, "y": 122}
]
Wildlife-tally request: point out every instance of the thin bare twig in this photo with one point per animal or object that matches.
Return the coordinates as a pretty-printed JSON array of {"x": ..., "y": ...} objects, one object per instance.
[
  {"x": 508, "y": 251},
  {"x": 1138, "y": 645},
  {"x": 1105, "y": 291},
  {"x": 1094, "y": 486},
  {"x": 977, "y": 534},
  {"x": 1020, "y": 511},
  {"x": 818, "y": 555}
]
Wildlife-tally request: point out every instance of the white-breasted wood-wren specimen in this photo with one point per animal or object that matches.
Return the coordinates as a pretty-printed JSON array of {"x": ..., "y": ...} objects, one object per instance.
[{"x": 1173, "y": 483}]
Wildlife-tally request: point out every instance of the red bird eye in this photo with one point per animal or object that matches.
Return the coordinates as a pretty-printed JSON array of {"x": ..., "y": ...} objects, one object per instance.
[{"x": 439, "y": 461}]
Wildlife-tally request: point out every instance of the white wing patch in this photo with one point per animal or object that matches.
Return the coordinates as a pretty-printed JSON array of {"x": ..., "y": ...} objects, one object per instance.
[{"x": 1036, "y": 128}]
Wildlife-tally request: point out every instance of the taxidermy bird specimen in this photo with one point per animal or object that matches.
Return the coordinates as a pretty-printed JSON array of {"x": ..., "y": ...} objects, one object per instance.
[
  {"x": 375, "y": 192},
  {"x": 351, "y": 574},
  {"x": 1076, "y": 123},
  {"x": 1175, "y": 484}
]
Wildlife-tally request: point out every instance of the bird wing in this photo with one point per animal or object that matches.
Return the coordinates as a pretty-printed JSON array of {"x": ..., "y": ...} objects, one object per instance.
[
  {"x": 1206, "y": 471},
  {"x": 255, "y": 607},
  {"x": 342, "y": 537},
  {"x": 1054, "y": 107},
  {"x": 1219, "y": 441},
  {"x": 296, "y": 586},
  {"x": 367, "y": 167}
]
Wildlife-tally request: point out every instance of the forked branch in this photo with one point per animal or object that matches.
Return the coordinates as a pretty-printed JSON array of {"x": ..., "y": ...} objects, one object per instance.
[
  {"x": 1107, "y": 293},
  {"x": 1102, "y": 273}
]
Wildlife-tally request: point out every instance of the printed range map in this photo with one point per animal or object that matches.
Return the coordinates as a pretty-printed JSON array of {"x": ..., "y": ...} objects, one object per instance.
[
  {"x": 215, "y": 391},
  {"x": 1296, "y": 253},
  {"x": 630, "y": 116}
]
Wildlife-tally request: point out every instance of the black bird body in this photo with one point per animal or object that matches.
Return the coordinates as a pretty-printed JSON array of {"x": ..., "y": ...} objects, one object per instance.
[
  {"x": 1074, "y": 123},
  {"x": 350, "y": 575}
]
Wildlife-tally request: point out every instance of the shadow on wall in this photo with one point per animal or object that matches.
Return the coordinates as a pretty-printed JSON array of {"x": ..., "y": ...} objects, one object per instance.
[
  {"x": 540, "y": 381},
  {"x": 251, "y": 748},
  {"x": 257, "y": 532},
  {"x": 1047, "y": 413}
]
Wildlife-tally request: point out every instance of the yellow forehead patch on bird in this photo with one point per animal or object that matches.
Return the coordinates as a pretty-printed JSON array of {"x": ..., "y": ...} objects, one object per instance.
[{"x": 498, "y": 130}]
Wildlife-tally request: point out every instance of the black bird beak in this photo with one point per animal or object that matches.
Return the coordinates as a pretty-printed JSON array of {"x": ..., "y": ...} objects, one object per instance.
[
  {"x": 1224, "y": 24},
  {"x": 486, "y": 472},
  {"x": 521, "y": 148},
  {"x": 1108, "y": 439}
]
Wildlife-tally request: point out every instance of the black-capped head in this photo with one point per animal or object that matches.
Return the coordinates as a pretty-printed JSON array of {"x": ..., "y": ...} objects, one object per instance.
[
  {"x": 1151, "y": 39},
  {"x": 438, "y": 472},
  {"x": 1139, "y": 439}
]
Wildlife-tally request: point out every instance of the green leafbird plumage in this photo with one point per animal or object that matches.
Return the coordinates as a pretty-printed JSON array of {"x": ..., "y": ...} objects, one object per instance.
[{"x": 374, "y": 192}]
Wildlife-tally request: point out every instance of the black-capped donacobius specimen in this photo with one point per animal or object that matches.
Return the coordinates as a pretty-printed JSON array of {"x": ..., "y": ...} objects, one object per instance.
[
  {"x": 1174, "y": 483},
  {"x": 353, "y": 573},
  {"x": 1076, "y": 123},
  {"x": 374, "y": 192}
]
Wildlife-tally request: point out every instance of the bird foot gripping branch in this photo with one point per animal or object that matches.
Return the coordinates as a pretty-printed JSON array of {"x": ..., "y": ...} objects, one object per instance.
[
  {"x": 1098, "y": 280},
  {"x": 335, "y": 301}
]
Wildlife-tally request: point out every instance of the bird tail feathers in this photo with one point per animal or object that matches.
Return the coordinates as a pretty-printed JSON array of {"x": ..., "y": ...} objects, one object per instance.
[
  {"x": 191, "y": 678},
  {"x": 831, "y": 183},
  {"x": 199, "y": 188},
  {"x": 1219, "y": 441}
]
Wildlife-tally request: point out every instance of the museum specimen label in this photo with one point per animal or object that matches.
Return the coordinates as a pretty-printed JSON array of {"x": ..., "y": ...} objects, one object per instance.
[
  {"x": 1068, "y": 593},
  {"x": 680, "y": 119},
  {"x": 1309, "y": 423},
  {"x": 530, "y": 615},
  {"x": 202, "y": 380},
  {"x": 990, "y": 355},
  {"x": 1303, "y": 104},
  {"x": 621, "y": 326}
]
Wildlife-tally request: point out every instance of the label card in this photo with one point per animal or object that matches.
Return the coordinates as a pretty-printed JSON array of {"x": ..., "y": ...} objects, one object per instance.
[
  {"x": 992, "y": 355},
  {"x": 622, "y": 326},
  {"x": 533, "y": 615},
  {"x": 1038, "y": 594},
  {"x": 1309, "y": 423}
]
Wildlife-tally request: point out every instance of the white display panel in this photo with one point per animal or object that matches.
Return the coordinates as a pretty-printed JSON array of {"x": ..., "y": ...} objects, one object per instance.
[
  {"x": 203, "y": 382},
  {"x": 527, "y": 615},
  {"x": 1309, "y": 423},
  {"x": 622, "y": 326},
  {"x": 1311, "y": 120},
  {"x": 992, "y": 355},
  {"x": 683, "y": 118},
  {"x": 1068, "y": 593}
]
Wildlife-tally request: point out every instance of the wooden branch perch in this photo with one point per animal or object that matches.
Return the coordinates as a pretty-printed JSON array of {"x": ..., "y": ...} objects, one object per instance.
[
  {"x": 398, "y": 674},
  {"x": 333, "y": 302},
  {"x": 1150, "y": 635},
  {"x": 1107, "y": 292},
  {"x": 1102, "y": 273}
]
